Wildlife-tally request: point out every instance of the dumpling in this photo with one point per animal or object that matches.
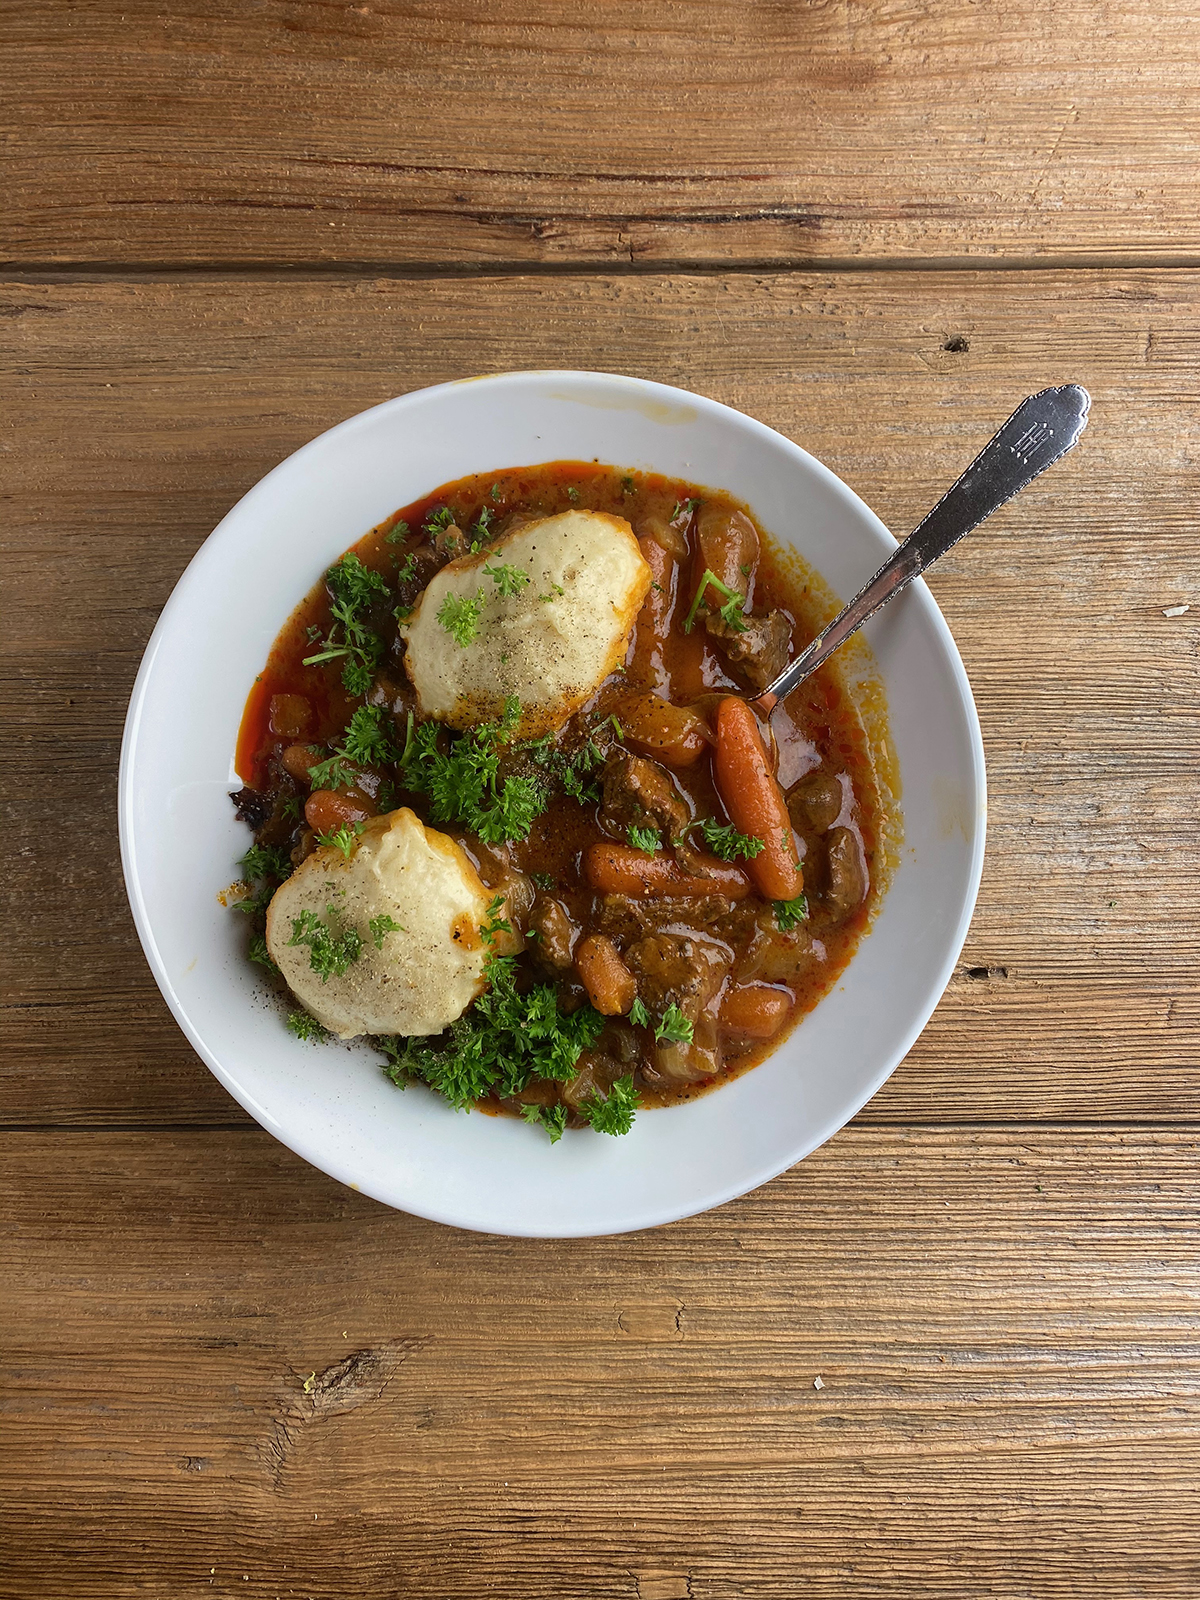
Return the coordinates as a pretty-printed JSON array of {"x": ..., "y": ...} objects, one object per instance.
[
  {"x": 414, "y": 978},
  {"x": 543, "y": 615}
]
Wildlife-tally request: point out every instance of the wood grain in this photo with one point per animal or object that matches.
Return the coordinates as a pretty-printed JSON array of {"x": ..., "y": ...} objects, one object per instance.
[
  {"x": 478, "y": 131},
  {"x": 621, "y": 1417},
  {"x": 139, "y": 411}
]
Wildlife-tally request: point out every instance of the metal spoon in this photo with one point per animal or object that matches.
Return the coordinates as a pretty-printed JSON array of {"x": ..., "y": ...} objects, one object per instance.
[{"x": 1040, "y": 431}]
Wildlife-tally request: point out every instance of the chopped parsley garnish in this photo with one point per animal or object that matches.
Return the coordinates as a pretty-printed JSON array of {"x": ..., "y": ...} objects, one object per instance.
[
  {"x": 573, "y": 496},
  {"x": 397, "y": 535},
  {"x": 439, "y": 521},
  {"x": 366, "y": 740},
  {"x": 343, "y": 839},
  {"x": 381, "y": 926},
  {"x": 265, "y": 861},
  {"x": 265, "y": 866},
  {"x": 674, "y": 1026},
  {"x": 353, "y": 584},
  {"x": 460, "y": 617},
  {"x": 552, "y": 1118},
  {"x": 503, "y": 1041},
  {"x": 406, "y": 569},
  {"x": 627, "y": 484},
  {"x": 790, "y": 913},
  {"x": 482, "y": 525},
  {"x": 615, "y": 1114},
  {"x": 495, "y": 922},
  {"x": 464, "y": 784},
  {"x": 730, "y": 612},
  {"x": 508, "y": 580},
  {"x": 305, "y": 1026},
  {"x": 258, "y": 951},
  {"x": 354, "y": 588},
  {"x": 496, "y": 494},
  {"x": 683, "y": 509},
  {"x": 332, "y": 773},
  {"x": 290, "y": 809},
  {"x": 638, "y": 1013},
  {"x": 647, "y": 839},
  {"x": 543, "y": 880},
  {"x": 571, "y": 771},
  {"x": 727, "y": 842},
  {"x": 555, "y": 589},
  {"x": 331, "y": 955}
]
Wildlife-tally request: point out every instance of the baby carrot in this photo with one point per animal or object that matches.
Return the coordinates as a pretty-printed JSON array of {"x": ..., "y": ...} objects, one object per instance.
[
  {"x": 756, "y": 1011},
  {"x": 619, "y": 869},
  {"x": 611, "y": 987},
  {"x": 755, "y": 801}
]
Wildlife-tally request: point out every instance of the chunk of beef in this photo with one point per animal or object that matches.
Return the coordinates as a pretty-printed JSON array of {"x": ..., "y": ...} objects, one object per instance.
[
  {"x": 678, "y": 970},
  {"x": 759, "y": 650},
  {"x": 848, "y": 878},
  {"x": 638, "y": 793},
  {"x": 816, "y": 802},
  {"x": 673, "y": 969},
  {"x": 270, "y": 814},
  {"x": 556, "y": 934},
  {"x": 252, "y": 807},
  {"x": 627, "y": 920}
]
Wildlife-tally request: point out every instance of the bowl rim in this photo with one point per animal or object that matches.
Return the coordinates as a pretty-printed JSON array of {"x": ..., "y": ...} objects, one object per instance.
[{"x": 211, "y": 550}]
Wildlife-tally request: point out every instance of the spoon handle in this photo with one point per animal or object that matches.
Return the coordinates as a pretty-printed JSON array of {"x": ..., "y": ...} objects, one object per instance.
[{"x": 1040, "y": 431}]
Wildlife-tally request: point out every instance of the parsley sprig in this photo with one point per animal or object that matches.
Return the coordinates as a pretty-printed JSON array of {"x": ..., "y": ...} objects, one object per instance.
[
  {"x": 380, "y": 928},
  {"x": 343, "y": 838},
  {"x": 439, "y": 521},
  {"x": 552, "y": 1118},
  {"x": 674, "y": 1027},
  {"x": 790, "y": 913},
  {"x": 727, "y": 842},
  {"x": 331, "y": 954},
  {"x": 646, "y": 839},
  {"x": 354, "y": 589},
  {"x": 730, "y": 612},
  {"x": 615, "y": 1113},
  {"x": 264, "y": 867},
  {"x": 459, "y": 615},
  {"x": 367, "y": 741},
  {"x": 464, "y": 785},
  {"x": 257, "y": 951},
  {"x": 306, "y": 1027},
  {"x": 508, "y": 580}
]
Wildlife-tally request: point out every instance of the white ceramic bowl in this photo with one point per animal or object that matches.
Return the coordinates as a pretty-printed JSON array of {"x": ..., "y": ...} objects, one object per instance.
[{"x": 333, "y": 1106}]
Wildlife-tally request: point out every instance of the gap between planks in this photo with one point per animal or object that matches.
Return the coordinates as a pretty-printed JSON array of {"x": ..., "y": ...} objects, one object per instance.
[{"x": 13, "y": 271}]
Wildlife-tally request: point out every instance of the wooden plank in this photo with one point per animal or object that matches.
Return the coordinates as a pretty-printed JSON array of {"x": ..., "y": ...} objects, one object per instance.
[
  {"x": 478, "y": 131},
  {"x": 139, "y": 411},
  {"x": 1003, "y": 1325}
]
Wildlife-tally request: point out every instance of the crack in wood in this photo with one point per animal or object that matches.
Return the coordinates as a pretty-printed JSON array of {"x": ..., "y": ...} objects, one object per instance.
[{"x": 358, "y": 1380}]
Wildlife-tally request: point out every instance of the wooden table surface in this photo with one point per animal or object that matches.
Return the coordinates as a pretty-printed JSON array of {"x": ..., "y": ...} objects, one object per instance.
[{"x": 230, "y": 225}]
